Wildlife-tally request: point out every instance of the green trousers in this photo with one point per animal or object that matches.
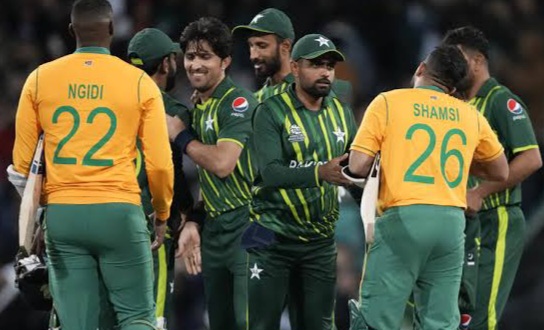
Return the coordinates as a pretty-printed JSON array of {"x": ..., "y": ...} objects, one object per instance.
[
  {"x": 417, "y": 249},
  {"x": 100, "y": 252},
  {"x": 503, "y": 234},
  {"x": 224, "y": 270},
  {"x": 301, "y": 274}
]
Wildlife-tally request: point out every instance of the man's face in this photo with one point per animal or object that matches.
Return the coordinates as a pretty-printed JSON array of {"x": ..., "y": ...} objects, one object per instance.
[
  {"x": 171, "y": 78},
  {"x": 315, "y": 76},
  {"x": 264, "y": 53},
  {"x": 203, "y": 67}
]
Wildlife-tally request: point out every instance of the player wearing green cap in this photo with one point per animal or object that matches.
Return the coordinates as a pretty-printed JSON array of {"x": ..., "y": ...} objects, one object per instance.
[
  {"x": 270, "y": 36},
  {"x": 155, "y": 53},
  {"x": 304, "y": 134},
  {"x": 217, "y": 142}
]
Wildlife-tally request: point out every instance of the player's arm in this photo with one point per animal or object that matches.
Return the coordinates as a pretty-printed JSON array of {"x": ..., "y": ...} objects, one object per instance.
[
  {"x": 156, "y": 148},
  {"x": 369, "y": 137},
  {"x": 221, "y": 158},
  {"x": 519, "y": 137},
  {"x": 489, "y": 162},
  {"x": 27, "y": 127}
]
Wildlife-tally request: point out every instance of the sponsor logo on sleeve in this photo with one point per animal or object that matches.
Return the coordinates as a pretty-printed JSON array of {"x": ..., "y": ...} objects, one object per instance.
[
  {"x": 239, "y": 105},
  {"x": 516, "y": 109}
]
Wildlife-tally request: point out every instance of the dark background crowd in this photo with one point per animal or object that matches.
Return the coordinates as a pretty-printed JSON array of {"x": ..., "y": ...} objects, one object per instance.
[{"x": 383, "y": 41}]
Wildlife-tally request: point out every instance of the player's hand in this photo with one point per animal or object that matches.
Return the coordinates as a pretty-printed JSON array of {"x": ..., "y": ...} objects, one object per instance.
[
  {"x": 332, "y": 171},
  {"x": 189, "y": 248},
  {"x": 474, "y": 201},
  {"x": 175, "y": 126},
  {"x": 160, "y": 232}
]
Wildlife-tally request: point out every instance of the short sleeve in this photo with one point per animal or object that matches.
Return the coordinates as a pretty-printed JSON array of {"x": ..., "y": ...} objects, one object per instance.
[
  {"x": 370, "y": 134},
  {"x": 235, "y": 115},
  {"x": 489, "y": 147}
]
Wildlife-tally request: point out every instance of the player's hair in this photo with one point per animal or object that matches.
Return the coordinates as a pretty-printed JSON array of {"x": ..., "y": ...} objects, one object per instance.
[
  {"x": 91, "y": 9},
  {"x": 209, "y": 29},
  {"x": 447, "y": 66},
  {"x": 468, "y": 37}
]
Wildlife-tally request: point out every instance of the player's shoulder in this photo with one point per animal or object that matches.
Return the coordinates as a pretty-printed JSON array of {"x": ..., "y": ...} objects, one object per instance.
[
  {"x": 239, "y": 100},
  {"x": 172, "y": 105},
  {"x": 342, "y": 90}
]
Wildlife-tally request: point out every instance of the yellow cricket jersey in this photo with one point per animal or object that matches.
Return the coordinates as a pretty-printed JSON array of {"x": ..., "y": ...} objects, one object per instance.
[
  {"x": 92, "y": 106},
  {"x": 427, "y": 141}
]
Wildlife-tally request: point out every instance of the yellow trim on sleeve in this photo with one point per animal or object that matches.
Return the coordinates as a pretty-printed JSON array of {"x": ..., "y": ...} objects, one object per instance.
[
  {"x": 529, "y": 147},
  {"x": 498, "y": 267},
  {"x": 232, "y": 140},
  {"x": 363, "y": 150}
]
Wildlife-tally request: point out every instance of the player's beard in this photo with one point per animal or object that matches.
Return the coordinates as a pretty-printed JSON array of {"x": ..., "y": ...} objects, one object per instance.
[
  {"x": 316, "y": 90},
  {"x": 170, "y": 81},
  {"x": 269, "y": 67}
]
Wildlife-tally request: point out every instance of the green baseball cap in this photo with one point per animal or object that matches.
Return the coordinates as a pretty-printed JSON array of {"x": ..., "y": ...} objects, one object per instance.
[
  {"x": 314, "y": 45},
  {"x": 270, "y": 20},
  {"x": 150, "y": 44}
]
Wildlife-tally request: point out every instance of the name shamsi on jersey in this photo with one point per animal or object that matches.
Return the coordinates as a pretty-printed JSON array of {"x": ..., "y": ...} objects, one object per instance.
[{"x": 432, "y": 112}]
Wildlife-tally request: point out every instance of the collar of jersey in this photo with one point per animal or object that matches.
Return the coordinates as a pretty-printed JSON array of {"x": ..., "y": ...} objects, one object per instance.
[
  {"x": 486, "y": 87},
  {"x": 93, "y": 50},
  {"x": 287, "y": 79},
  {"x": 222, "y": 88},
  {"x": 298, "y": 104},
  {"x": 433, "y": 88}
]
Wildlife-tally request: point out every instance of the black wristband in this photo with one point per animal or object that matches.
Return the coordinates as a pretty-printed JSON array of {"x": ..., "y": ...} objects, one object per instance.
[
  {"x": 197, "y": 214},
  {"x": 183, "y": 139}
]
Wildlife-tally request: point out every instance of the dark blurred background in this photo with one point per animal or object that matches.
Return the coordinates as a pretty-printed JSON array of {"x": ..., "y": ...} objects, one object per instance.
[{"x": 383, "y": 40}]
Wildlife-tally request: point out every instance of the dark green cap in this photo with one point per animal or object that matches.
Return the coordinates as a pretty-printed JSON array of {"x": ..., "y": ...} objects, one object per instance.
[
  {"x": 149, "y": 45},
  {"x": 271, "y": 20},
  {"x": 314, "y": 45}
]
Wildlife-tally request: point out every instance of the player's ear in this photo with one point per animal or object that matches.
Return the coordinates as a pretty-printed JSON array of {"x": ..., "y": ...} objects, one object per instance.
[
  {"x": 294, "y": 68},
  {"x": 420, "y": 69},
  {"x": 164, "y": 67},
  {"x": 225, "y": 63},
  {"x": 71, "y": 30},
  {"x": 285, "y": 47}
]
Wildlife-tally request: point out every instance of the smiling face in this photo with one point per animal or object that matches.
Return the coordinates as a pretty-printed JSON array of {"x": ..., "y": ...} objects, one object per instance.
[
  {"x": 315, "y": 76},
  {"x": 204, "y": 68},
  {"x": 264, "y": 53}
]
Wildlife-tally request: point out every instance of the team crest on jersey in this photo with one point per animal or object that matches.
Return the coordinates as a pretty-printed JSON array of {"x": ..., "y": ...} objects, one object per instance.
[
  {"x": 240, "y": 104},
  {"x": 295, "y": 134},
  {"x": 514, "y": 107}
]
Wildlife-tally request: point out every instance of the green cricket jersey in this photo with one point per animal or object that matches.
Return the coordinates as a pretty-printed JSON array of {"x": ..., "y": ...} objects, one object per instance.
[
  {"x": 226, "y": 116},
  {"x": 290, "y": 142},
  {"x": 183, "y": 199},
  {"x": 508, "y": 117},
  {"x": 340, "y": 88}
]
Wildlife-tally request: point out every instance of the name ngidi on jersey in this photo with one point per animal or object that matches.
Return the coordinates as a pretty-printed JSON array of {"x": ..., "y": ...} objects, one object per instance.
[
  {"x": 226, "y": 116},
  {"x": 508, "y": 117},
  {"x": 291, "y": 142}
]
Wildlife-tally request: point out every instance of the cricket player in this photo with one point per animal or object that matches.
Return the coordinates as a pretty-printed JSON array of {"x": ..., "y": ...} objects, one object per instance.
[
  {"x": 95, "y": 230},
  {"x": 494, "y": 206},
  {"x": 154, "y": 52},
  {"x": 218, "y": 143},
  {"x": 428, "y": 141},
  {"x": 301, "y": 136},
  {"x": 270, "y": 36}
]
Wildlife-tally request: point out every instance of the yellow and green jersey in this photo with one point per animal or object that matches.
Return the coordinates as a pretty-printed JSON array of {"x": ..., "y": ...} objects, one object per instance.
[
  {"x": 182, "y": 200},
  {"x": 427, "y": 141},
  {"x": 226, "y": 116},
  {"x": 290, "y": 142},
  {"x": 92, "y": 107},
  {"x": 340, "y": 88},
  {"x": 508, "y": 117}
]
